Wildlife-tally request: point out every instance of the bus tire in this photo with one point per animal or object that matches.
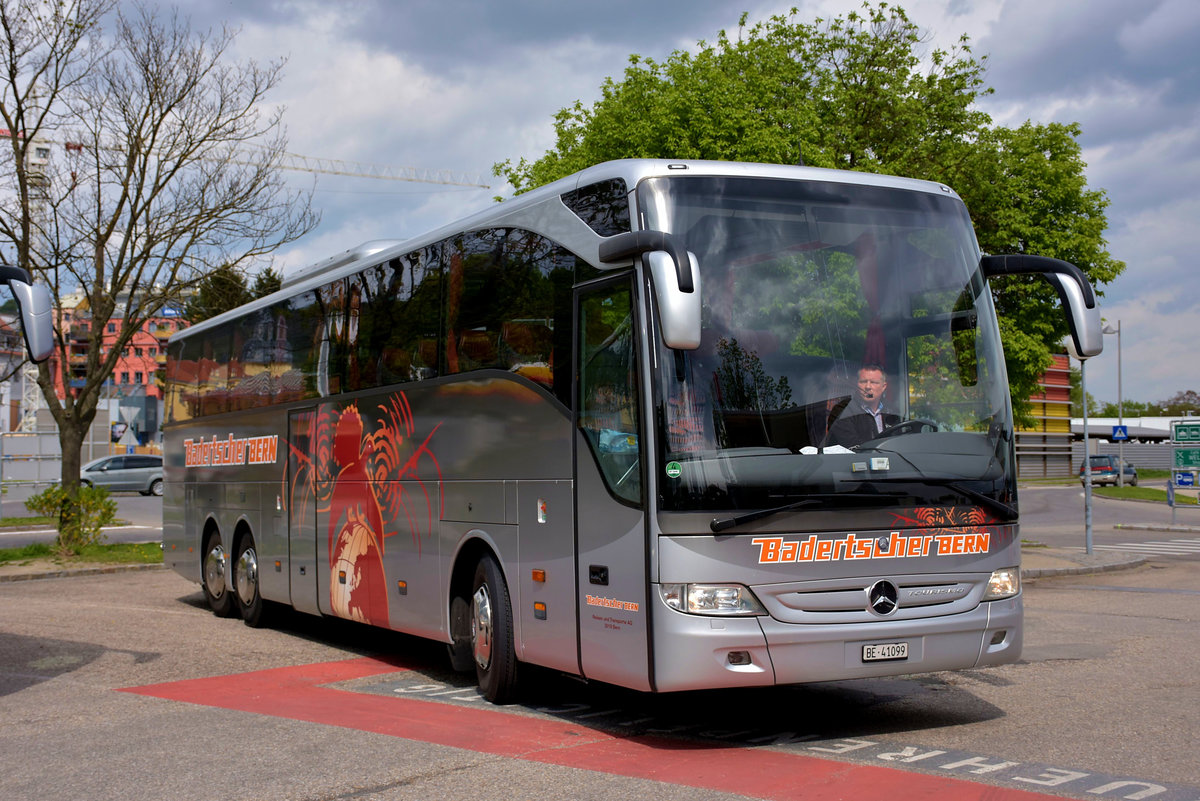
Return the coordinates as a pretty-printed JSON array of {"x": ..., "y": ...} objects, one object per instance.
[
  {"x": 212, "y": 577},
  {"x": 492, "y": 634},
  {"x": 246, "y": 584}
]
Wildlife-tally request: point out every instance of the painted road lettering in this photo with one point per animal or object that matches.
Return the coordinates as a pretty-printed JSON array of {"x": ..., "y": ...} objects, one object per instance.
[
  {"x": 860, "y": 751},
  {"x": 618, "y": 739}
]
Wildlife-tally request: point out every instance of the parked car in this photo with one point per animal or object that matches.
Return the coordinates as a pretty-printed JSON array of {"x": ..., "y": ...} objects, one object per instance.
[
  {"x": 1104, "y": 471},
  {"x": 132, "y": 472}
]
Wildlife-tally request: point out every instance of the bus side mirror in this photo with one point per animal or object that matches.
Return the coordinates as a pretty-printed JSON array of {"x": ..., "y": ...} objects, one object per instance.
[
  {"x": 1074, "y": 291},
  {"x": 37, "y": 321},
  {"x": 676, "y": 277},
  {"x": 678, "y": 311}
]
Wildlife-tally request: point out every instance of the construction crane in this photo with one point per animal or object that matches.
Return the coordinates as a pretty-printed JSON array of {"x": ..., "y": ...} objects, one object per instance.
[{"x": 359, "y": 169}]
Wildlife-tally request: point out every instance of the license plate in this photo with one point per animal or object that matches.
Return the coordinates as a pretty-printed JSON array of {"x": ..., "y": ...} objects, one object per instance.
[{"x": 884, "y": 651}]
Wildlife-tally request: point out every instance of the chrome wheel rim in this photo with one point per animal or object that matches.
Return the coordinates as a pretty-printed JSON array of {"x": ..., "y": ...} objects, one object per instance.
[
  {"x": 214, "y": 570},
  {"x": 481, "y": 627},
  {"x": 247, "y": 576}
]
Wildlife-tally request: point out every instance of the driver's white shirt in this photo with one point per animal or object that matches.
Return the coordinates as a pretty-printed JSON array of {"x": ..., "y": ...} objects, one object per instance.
[{"x": 876, "y": 413}]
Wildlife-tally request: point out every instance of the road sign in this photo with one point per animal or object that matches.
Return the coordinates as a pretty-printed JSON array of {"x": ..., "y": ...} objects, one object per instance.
[
  {"x": 1185, "y": 479},
  {"x": 1186, "y": 458},
  {"x": 1185, "y": 431},
  {"x": 1120, "y": 433}
]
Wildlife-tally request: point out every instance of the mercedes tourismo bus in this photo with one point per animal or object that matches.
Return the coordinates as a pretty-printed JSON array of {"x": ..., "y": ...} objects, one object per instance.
[{"x": 594, "y": 429}]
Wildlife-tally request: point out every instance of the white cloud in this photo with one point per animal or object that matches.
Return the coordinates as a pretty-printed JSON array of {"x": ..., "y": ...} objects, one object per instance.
[
  {"x": 1170, "y": 28},
  {"x": 396, "y": 84}
]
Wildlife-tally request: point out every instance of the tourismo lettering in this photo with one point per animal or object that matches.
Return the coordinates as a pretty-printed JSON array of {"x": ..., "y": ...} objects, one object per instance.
[
  {"x": 231, "y": 451},
  {"x": 898, "y": 546}
]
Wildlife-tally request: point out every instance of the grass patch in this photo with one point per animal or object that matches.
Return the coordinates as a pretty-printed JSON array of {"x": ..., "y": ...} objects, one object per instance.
[
  {"x": 38, "y": 550},
  {"x": 1144, "y": 473},
  {"x": 1143, "y": 494},
  {"x": 15, "y": 522},
  {"x": 141, "y": 553}
]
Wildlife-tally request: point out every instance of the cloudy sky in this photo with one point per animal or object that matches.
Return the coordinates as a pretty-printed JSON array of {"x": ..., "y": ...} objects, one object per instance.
[{"x": 457, "y": 85}]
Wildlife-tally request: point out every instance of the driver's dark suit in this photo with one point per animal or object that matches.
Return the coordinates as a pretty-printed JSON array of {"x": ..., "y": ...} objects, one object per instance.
[{"x": 853, "y": 429}]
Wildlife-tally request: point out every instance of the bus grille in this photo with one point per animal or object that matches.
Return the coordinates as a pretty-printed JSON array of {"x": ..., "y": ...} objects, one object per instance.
[{"x": 849, "y": 600}]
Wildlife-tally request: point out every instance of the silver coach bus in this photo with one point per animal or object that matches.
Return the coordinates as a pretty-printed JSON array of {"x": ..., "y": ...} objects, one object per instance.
[{"x": 666, "y": 425}]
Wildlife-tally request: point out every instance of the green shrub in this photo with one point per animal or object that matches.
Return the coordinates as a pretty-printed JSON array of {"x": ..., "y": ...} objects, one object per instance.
[{"x": 80, "y": 520}]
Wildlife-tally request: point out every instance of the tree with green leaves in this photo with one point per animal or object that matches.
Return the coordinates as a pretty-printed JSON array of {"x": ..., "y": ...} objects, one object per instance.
[
  {"x": 1182, "y": 404},
  {"x": 1093, "y": 408},
  {"x": 1129, "y": 408},
  {"x": 219, "y": 291},
  {"x": 224, "y": 289},
  {"x": 860, "y": 92},
  {"x": 266, "y": 282},
  {"x": 138, "y": 159}
]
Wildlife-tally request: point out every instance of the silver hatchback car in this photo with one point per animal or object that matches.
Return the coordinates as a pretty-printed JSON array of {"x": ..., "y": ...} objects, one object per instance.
[{"x": 132, "y": 472}]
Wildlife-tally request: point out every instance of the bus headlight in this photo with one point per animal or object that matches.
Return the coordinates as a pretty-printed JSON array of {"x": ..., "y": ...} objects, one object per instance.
[
  {"x": 711, "y": 599},
  {"x": 1004, "y": 583}
]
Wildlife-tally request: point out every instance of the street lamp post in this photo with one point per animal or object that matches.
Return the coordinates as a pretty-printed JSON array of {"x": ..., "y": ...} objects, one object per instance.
[
  {"x": 1087, "y": 464},
  {"x": 1108, "y": 329},
  {"x": 1087, "y": 456}
]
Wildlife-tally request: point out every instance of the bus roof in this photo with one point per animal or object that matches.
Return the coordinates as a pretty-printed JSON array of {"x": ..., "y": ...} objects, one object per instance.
[{"x": 632, "y": 171}]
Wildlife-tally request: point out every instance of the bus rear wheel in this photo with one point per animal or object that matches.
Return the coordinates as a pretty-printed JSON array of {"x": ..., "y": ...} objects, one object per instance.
[
  {"x": 245, "y": 582},
  {"x": 219, "y": 599},
  {"x": 492, "y": 634}
]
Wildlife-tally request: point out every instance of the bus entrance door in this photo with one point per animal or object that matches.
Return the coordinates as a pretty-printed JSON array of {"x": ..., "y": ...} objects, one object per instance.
[
  {"x": 302, "y": 511},
  {"x": 610, "y": 521}
]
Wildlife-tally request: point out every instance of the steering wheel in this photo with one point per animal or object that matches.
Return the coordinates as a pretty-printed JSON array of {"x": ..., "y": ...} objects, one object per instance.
[{"x": 907, "y": 427}]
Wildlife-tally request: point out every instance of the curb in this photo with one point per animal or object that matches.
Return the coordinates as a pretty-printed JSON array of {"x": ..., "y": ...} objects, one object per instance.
[
  {"x": 1177, "y": 529},
  {"x": 99, "y": 570},
  {"x": 1082, "y": 570}
]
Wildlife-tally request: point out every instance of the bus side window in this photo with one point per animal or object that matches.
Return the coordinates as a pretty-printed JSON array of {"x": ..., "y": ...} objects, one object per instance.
[{"x": 608, "y": 409}]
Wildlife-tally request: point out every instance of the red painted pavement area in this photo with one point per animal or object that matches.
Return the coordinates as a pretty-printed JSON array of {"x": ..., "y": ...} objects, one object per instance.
[{"x": 297, "y": 693}]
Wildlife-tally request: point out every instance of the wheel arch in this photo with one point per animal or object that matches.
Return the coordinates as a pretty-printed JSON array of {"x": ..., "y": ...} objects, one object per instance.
[
  {"x": 241, "y": 530},
  {"x": 211, "y": 526},
  {"x": 470, "y": 551}
]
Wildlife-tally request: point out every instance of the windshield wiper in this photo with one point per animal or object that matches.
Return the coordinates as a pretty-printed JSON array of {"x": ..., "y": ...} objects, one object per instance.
[
  {"x": 1001, "y": 508},
  {"x": 720, "y": 524}
]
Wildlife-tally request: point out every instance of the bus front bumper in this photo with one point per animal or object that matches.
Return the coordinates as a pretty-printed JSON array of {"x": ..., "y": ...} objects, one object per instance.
[{"x": 693, "y": 652}]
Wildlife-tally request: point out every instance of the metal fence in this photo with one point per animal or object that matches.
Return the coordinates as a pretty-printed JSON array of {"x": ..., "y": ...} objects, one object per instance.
[
  {"x": 1145, "y": 455},
  {"x": 36, "y": 458}
]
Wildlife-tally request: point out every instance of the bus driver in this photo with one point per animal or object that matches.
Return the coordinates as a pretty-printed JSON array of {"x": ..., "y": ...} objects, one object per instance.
[{"x": 864, "y": 418}]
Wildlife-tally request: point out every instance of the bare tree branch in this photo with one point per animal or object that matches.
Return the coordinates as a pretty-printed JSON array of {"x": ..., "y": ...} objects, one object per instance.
[{"x": 162, "y": 167}]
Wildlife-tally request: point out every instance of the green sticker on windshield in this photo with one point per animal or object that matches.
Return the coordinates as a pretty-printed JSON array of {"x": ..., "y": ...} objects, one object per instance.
[{"x": 674, "y": 470}]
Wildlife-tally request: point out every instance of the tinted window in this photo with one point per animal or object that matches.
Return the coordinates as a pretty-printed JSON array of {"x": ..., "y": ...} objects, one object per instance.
[
  {"x": 299, "y": 331},
  {"x": 213, "y": 370},
  {"x": 603, "y": 206},
  {"x": 143, "y": 461},
  {"x": 393, "y": 315},
  {"x": 508, "y": 307},
  {"x": 181, "y": 382},
  {"x": 608, "y": 410},
  {"x": 497, "y": 299},
  {"x": 250, "y": 381}
]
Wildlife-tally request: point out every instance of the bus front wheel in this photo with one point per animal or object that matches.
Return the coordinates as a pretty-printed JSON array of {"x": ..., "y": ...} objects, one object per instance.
[
  {"x": 492, "y": 634},
  {"x": 219, "y": 599}
]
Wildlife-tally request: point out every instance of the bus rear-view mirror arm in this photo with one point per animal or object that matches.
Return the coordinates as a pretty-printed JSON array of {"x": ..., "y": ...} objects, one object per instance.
[
  {"x": 33, "y": 301},
  {"x": 676, "y": 277},
  {"x": 1074, "y": 291}
]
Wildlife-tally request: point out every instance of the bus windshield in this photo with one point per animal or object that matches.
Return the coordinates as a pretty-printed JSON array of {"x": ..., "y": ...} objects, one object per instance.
[{"x": 849, "y": 354}]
